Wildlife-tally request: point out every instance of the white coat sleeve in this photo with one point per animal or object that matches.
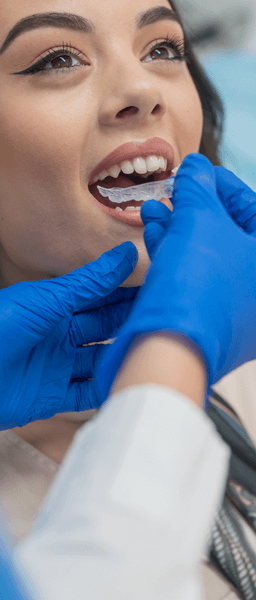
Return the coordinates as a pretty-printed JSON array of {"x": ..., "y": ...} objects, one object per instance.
[{"x": 130, "y": 513}]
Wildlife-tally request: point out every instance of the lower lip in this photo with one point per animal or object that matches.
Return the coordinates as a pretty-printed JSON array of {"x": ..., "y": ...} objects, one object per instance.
[{"x": 129, "y": 217}]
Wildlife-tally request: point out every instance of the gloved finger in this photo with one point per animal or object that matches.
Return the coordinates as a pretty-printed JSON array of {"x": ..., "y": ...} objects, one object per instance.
[
  {"x": 81, "y": 395},
  {"x": 238, "y": 199},
  {"x": 50, "y": 301},
  {"x": 152, "y": 210},
  {"x": 100, "y": 324},
  {"x": 87, "y": 359},
  {"x": 194, "y": 179},
  {"x": 153, "y": 234},
  {"x": 119, "y": 295}
]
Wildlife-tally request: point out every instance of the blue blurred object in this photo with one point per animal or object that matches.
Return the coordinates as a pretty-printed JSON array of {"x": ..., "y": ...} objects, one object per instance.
[
  {"x": 11, "y": 586},
  {"x": 233, "y": 73}
]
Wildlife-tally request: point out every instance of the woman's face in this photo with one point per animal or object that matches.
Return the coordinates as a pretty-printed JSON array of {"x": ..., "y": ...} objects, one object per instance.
[{"x": 105, "y": 88}]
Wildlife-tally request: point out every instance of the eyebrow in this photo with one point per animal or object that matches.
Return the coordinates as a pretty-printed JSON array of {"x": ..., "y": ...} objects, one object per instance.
[{"x": 74, "y": 22}]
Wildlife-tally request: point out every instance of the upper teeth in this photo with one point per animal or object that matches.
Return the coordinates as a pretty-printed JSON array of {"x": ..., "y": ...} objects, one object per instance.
[{"x": 140, "y": 165}]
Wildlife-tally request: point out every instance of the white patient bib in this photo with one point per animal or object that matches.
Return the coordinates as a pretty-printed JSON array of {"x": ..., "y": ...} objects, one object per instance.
[{"x": 25, "y": 478}]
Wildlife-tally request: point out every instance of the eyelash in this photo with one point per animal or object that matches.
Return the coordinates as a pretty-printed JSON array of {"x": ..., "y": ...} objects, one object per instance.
[
  {"x": 174, "y": 43},
  {"x": 66, "y": 49}
]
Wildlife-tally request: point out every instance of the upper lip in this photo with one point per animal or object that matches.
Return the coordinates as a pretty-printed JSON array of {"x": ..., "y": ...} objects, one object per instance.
[{"x": 154, "y": 146}]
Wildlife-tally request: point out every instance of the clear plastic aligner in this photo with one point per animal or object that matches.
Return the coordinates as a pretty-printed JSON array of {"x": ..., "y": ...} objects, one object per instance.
[{"x": 146, "y": 191}]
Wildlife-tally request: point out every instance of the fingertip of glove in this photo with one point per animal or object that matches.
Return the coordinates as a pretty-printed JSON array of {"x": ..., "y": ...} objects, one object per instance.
[
  {"x": 124, "y": 248},
  {"x": 195, "y": 159},
  {"x": 130, "y": 251},
  {"x": 154, "y": 210},
  {"x": 196, "y": 165},
  {"x": 196, "y": 173}
]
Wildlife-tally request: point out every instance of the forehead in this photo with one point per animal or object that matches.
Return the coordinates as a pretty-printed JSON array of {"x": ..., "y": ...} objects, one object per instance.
[{"x": 110, "y": 12}]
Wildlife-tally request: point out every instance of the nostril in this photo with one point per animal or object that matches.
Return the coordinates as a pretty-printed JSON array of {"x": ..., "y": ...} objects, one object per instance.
[
  {"x": 156, "y": 110},
  {"x": 131, "y": 110}
]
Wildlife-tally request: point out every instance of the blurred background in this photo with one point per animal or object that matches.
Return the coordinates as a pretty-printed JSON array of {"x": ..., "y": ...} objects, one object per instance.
[{"x": 223, "y": 35}]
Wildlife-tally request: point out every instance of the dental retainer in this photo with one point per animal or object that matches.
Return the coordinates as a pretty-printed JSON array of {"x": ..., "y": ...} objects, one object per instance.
[{"x": 155, "y": 190}]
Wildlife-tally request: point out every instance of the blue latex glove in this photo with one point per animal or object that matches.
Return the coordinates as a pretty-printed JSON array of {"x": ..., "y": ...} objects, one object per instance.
[
  {"x": 40, "y": 336},
  {"x": 201, "y": 284}
]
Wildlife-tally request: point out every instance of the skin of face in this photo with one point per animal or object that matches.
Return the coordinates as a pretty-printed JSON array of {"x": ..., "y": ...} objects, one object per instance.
[{"x": 55, "y": 128}]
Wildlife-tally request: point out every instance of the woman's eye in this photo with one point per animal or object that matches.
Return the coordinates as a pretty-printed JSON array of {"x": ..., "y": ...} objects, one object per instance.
[
  {"x": 58, "y": 60},
  {"x": 64, "y": 61},
  {"x": 161, "y": 52},
  {"x": 167, "y": 50}
]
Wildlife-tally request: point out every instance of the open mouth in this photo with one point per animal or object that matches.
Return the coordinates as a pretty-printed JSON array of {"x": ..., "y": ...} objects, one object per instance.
[{"x": 125, "y": 181}]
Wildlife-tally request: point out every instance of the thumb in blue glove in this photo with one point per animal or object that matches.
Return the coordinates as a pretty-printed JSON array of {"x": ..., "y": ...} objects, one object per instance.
[
  {"x": 156, "y": 218},
  {"x": 40, "y": 335}
]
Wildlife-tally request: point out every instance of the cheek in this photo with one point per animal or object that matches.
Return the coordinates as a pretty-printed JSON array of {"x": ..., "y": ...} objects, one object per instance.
[
  {"x": 189, "y": 120},
  {"x": 38, "y": 143},
  {"x": 44, "y": 139},
  {"x": 40, "y": 156},
  {"x": 42, "y": 223}
]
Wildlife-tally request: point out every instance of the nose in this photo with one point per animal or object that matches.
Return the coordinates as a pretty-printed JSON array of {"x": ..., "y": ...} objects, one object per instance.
[{"x": 130, "y": 94}]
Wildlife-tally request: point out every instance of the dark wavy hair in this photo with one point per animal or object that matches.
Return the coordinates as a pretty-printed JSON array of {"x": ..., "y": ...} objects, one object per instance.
[{"x": 212, "y": 105}]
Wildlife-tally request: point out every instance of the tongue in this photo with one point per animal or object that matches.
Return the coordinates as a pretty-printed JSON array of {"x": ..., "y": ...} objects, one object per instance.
[{"x": 122, "y": 181}]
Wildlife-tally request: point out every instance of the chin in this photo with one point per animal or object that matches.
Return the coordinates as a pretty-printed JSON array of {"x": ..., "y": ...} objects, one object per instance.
[
  {"x": 82, "y": 416},
  {"x": 138, "y": 275}
]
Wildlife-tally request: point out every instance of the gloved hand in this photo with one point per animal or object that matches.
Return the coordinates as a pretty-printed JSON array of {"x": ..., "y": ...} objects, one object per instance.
[
  {"x": 238, "y": 199},
  {"x": 43, "y": 325},
  {"x": 201, "y": 284}
]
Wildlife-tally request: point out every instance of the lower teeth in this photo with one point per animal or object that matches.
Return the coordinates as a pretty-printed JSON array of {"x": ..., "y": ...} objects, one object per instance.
[
  {"x": 137, "y": 208},
  {"x": 132, "y": 208}
]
